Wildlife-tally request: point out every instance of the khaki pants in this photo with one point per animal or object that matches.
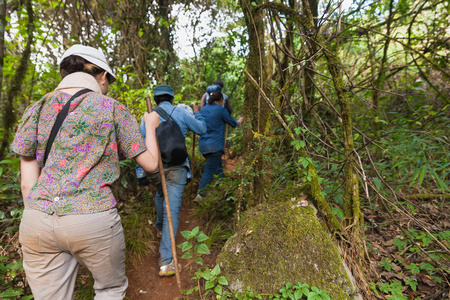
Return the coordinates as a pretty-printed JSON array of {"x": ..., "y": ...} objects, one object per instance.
[{"x": 53, "y": 247}]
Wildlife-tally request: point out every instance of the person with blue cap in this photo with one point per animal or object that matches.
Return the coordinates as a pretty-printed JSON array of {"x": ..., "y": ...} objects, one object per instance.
[
  {"x": 176, "y": 176},
  {"x": 211, "y": 145}
]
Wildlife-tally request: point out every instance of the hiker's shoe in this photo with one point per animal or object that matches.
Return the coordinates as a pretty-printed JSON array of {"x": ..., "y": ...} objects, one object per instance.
[
  {"x": 158, "y": 233},
  {"x": 168, "y": 270},
  {"x": 199, "y": 198}
]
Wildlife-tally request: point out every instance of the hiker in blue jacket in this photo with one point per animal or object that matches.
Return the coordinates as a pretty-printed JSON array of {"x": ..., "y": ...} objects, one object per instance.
[
  {"x": 176, "y": 176},
  {"x": 211, "y": 145},
  {"x": 226, "y": 100}
]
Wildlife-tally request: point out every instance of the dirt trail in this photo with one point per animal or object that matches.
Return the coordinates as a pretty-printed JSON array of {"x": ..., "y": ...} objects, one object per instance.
[{"x": 144, "y": 282}]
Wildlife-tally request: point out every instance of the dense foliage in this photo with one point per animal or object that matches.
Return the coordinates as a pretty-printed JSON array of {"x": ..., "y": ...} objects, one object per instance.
[{"x": 356, "y": 100}]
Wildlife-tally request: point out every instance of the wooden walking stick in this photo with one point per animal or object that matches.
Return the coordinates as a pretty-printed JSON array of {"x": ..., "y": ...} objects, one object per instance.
[
  {"x": 193, "y": 154},
  {"x": 167, "y": 203},
  {"x": 226, "y": 136}
]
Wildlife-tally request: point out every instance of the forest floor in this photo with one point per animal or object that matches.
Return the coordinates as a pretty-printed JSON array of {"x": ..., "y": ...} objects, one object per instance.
[
  {"x": 413, "y": 266},
  {"x": 389, "y": 268}
]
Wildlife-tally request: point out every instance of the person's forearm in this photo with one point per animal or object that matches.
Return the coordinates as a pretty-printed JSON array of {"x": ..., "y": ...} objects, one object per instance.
[
  {"x": 25, "y": 188},
  {"x": 148, "y": 160},
  {"x": 29, "y": 174},
  {"x": 151, "y": 140}
]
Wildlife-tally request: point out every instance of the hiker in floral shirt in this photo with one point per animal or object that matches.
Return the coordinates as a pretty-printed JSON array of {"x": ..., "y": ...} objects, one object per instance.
[{"x": 70, "y": 216}]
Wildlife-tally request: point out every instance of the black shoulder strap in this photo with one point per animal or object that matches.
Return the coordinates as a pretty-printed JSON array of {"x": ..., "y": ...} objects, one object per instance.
[
  {"x": 172, "y": 112},
  {"x": 59, "y": 120},
  {"x": 161, "y": 112}
]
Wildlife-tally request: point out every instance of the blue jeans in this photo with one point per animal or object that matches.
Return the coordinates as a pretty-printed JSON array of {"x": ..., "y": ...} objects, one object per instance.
[
  {"x": 176, "y": 179},
  {"x": 213, "y": 167}
]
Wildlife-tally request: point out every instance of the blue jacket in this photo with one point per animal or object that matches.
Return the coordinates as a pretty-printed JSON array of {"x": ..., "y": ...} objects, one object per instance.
[
  {"x": 216, "y": 117},
  {"x": 185, "y": 120}
]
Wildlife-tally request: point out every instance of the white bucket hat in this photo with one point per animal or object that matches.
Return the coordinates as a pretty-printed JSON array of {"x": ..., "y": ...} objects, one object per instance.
[{"x": 90, "y": 54}]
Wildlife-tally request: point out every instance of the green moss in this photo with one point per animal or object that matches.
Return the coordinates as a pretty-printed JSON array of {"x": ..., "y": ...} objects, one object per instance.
[{"x": 283, "y": 243}]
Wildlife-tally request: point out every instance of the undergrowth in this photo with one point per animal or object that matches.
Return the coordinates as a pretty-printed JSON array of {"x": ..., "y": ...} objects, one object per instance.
[{"x": 213, "y": 285}]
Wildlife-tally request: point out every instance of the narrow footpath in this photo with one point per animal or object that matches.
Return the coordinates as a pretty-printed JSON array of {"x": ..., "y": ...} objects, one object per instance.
[{"x": 144, "y": 281}]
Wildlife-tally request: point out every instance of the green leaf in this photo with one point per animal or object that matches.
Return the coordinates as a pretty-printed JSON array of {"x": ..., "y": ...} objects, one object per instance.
[
  {"x": 399, "y": 244},
  {"x": 427, "y": 267},
  {"x": 203, "y": 249},
  {"x": 441, "y": 183},
  {"x": 206, "y": 274},
  {"x": 412, "y": 282},
  {"x": 414, "y": 177},
  {"x": 323, "y": 294},
  {"x": 386, "y": 263},
  {"x": 15, "y": 266},
  {"x": 202, "y": 237},
  {"x": 187, "y": 255},
  {"x": 304, "y": 162},
  {"x": 298, "y": 294},
  {"x": 195, "y": 231},
  {"x": 377, "y": 182},
  {"x": 216, "y": 270},
  {"x": 199, "y": 261},
  {"x": 209, "y": 285},
  {"x": 9, "y": 293},
  {"x": 414, "y": 268},
  {"x": 422, "y": 175},
  {"x": 218, "y": 289},
  {"x": 186, "y": 234},
  {"x": 313, "y": 295},
  {"x": 222, "y": 280},
  {"x": 185, "y": 246},
  {"x": 338, "y": 212}
]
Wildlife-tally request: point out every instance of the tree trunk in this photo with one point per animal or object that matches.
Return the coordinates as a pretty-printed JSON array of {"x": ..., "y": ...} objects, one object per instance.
[
  {"x": 165, "y": 40},
  {"x": 312, "y": 188},
  {"x": 284, "y": 71},
  {"x": 309, "y": 66},
  {"x": 256, "y": 110},
  {"x": 2, "y": 41},
  {"x": 9, "y": 116}
]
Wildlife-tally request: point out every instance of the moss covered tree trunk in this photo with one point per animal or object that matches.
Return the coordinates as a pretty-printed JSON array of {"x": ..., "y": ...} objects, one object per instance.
[
  {"x": 309, "y": 67},
  {"x": 312, "y": 189},
  {"x": 351, "y": 206},
  {"x": 352, "y": 212},
  {"x": 256, "y": 110},
  {"x": 9, "y": 116},
  {"x": 283, "y": 73},
  {"x": 2, "y": 40}
]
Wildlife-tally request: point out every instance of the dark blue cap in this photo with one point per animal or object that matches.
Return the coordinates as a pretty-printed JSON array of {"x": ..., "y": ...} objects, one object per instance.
[
  {"x": 213, "y": 88},
  {"x": 163, "y": 89}
]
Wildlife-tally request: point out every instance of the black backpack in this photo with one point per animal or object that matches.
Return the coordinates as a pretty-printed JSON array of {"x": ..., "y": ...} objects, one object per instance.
[{"x": 171, "y": 140}]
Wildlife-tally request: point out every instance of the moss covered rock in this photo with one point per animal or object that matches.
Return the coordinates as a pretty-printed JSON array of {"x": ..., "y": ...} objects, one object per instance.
[{"x": 280, "y": 243}]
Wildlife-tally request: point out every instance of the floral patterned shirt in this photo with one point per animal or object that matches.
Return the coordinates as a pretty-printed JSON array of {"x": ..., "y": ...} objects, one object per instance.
[{"x": 84, "y": 160}]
